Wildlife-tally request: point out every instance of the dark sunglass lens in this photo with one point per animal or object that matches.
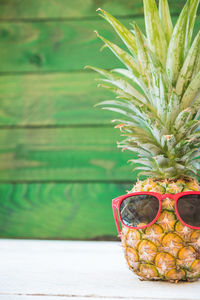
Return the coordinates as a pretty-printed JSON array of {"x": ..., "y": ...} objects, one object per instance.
[
  {"x": 139, "y": 210},
  {"x": 188, "y": 207}
]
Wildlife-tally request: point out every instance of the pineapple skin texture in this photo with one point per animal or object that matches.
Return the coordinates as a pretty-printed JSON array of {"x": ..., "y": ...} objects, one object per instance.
[{"x": 167, "y": 250}]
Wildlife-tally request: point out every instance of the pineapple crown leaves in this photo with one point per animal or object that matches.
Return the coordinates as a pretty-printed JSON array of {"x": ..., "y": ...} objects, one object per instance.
[{"x": 158, "y": 90}]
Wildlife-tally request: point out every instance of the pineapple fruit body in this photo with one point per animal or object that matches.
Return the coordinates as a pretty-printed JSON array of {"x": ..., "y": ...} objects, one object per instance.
[
  {"x": 158, "y": 100},
  {"x": 167, "y": 250}
]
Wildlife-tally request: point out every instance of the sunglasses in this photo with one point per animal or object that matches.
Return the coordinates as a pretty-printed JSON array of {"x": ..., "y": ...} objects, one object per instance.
[{"x": 142, "y": 209}]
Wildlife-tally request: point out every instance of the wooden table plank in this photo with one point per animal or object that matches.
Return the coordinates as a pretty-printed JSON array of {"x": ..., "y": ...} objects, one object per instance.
[
  {"x": 73, "y": 297},
  {"x": 37, "y": 9},
  {"x": 79, "y": 269},
  {"x": 33, "y": 297},
  {"x": 44, "y": 297},
  {"x": 80, "y": 153}
]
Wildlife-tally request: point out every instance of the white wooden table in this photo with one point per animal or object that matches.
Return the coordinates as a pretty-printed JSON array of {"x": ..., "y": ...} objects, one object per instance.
[{"x": 56, "y": 270}]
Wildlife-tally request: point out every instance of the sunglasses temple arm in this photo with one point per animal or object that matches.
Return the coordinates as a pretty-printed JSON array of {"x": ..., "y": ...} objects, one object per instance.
[{"x": 116, "y": 220}]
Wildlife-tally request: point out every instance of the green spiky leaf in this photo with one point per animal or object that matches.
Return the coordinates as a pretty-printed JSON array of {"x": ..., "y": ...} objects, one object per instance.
[
  {"x": 191, "y": 93},
  {"x": 127, "y": 37},
  {"x": 155, "y": 34},
  {"x": 165, "y": 19},
  {"x": 175, "y": 55},
  {"x": 122, "y": 55},
  {"x": 192, "y": 6},
  {"x": 143, "y": 57},
  {"x": 188, "y": 68}
]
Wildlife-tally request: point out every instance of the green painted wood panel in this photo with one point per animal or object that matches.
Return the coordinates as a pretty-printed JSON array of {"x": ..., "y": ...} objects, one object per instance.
[
  {"x": 57, "y": 46},
  {"x": 58, "y": 181},
  {"x": 61, "y": 211},
  {"x": 38, "y": 9},
  {"x": 83, "y": 154},
  {"x": 52, "y": 99}
]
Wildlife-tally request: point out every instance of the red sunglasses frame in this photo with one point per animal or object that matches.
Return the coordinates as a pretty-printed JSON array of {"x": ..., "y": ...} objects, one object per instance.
[{"x": 117, "y": 202}]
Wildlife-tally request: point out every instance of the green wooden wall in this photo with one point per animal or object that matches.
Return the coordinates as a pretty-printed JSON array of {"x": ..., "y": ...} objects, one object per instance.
[{"x": 59, "y": 163}]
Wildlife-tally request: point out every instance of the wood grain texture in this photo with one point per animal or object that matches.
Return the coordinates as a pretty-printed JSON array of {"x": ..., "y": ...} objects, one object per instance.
[
  {"x": 58, "y": 38},
  {"x": 60, "y": 297},
  {"x": 55, "y": 46},
  {"x": 81, "y": 154},
  {"x": 52, "y": 99},
  {"x": 61, "y": 211},
  {"x": 38, "y": 9}
]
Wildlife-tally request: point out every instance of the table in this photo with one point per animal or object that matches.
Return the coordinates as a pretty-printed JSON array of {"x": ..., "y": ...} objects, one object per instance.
[{"x": 77, "y": 270}]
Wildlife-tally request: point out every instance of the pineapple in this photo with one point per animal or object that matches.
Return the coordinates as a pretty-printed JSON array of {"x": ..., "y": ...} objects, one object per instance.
[
  {"x": 158, "y": 96},
  {"x": 167, "y": 250}
]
